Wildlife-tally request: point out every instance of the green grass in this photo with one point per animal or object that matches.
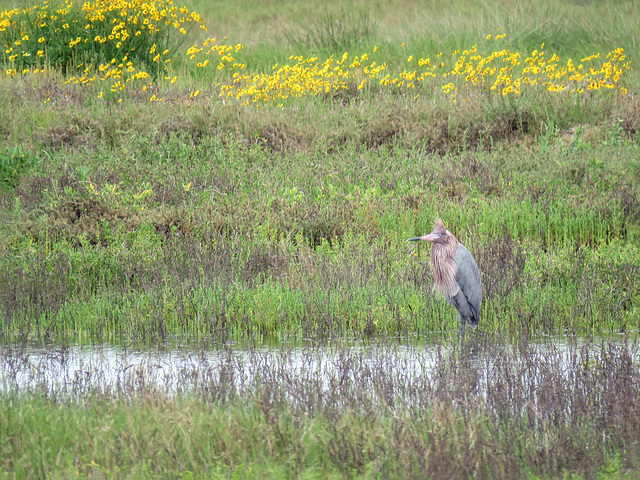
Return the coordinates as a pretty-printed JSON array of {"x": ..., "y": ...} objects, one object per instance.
[
  {"x": 575, "y": 28},
  {"x": 213, "y": 239},
  {"x": 161, "y": 220}
]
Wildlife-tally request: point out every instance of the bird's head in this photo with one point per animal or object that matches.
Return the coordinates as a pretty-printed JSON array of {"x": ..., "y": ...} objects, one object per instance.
[{"x": 438, "y": 235}]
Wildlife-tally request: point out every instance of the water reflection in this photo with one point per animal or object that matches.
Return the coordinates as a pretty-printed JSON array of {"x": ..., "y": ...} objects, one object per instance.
[
  {"x": 387, "y": 369},
  {"x": 180, "y": 367}
]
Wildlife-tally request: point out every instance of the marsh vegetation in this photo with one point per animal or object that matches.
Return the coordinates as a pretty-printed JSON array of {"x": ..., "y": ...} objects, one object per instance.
[{"x": 274, "y": 206}]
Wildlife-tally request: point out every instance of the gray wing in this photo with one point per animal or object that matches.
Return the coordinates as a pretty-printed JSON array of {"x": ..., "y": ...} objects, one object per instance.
[{"x": 468, "y": 279}]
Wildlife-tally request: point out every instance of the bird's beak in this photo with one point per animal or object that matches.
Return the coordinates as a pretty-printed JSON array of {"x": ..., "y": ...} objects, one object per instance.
[{"x": 427, "y": 238}]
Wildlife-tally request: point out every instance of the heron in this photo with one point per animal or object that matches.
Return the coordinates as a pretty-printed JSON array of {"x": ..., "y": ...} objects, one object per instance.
[{"x": 456, "y": 274}]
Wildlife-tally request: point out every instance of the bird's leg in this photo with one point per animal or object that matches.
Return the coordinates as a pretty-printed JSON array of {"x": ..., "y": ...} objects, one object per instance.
[{"x": 462, "y": 329}]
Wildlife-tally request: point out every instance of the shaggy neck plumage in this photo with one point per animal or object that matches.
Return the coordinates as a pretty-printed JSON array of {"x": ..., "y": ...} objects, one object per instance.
[{"x": 444, "y": 268}]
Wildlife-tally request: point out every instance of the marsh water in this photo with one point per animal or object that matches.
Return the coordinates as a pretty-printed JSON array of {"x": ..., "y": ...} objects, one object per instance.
[{"x": 180, "y": 366}]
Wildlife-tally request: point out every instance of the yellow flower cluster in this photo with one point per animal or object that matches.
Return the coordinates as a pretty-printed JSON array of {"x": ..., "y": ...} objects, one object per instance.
[
  {"x": 108, "y": 40},
  {"x": 226, "y": 60},
  {"x": 302, "y": 77},
  {"x": 504, "y": 72},
  {"x": 135, "y": 42}
]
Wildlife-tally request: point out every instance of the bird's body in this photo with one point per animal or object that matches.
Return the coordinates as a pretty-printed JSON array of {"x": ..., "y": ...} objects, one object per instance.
[{"x": 456, "y": 274}]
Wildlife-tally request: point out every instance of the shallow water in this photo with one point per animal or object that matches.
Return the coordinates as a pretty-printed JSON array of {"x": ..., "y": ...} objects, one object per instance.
[
  {"x": 179, "y": 367},
  {"x": 175, "y": 368}
]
